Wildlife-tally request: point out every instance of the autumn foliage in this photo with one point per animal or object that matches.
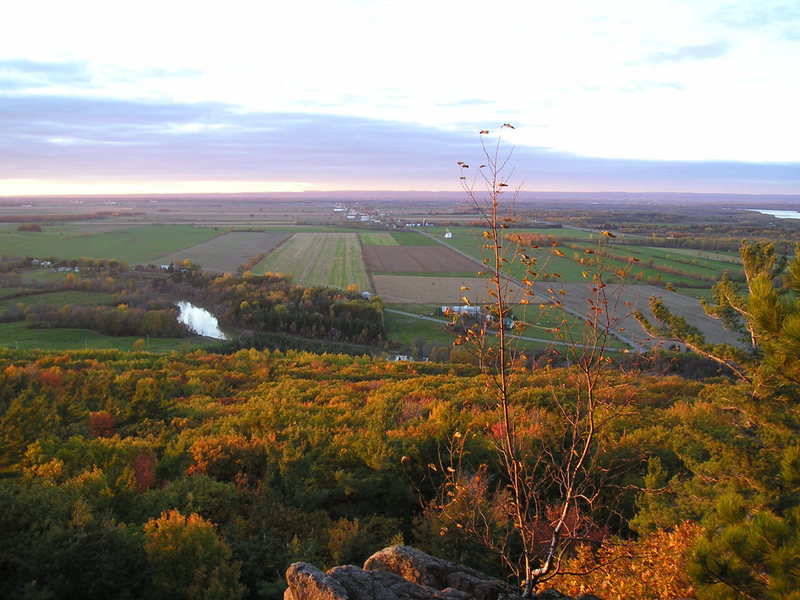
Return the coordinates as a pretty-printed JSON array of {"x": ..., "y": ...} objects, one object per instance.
[{"x": 655, "y": 568}]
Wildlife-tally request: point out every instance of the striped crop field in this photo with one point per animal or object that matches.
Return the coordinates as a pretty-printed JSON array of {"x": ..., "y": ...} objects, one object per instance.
[{"x": 330, "y": 259}]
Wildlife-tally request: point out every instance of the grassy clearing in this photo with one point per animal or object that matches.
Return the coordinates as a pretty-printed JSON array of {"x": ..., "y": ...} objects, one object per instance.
[
  {"x": 142, "y": 244},
  {"x": 330, "y": 259},
  {"x": 16, "y": 335},
  {"x": 378, "y": 238},
  {"x": 410, "y": 330},
  {"x": 39, "y": 275}
]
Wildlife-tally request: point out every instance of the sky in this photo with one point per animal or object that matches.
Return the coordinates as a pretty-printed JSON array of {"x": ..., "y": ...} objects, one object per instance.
[{"x": 106, "y": 97}]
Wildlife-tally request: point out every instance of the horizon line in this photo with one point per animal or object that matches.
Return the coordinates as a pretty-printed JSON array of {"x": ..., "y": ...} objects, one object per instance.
[{"x": 3, "y": 197}]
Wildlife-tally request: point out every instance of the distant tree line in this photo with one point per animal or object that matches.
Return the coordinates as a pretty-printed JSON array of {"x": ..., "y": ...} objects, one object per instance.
[
  {"x": 108, "y": 320},
  {"x": 58, "y": 218}
]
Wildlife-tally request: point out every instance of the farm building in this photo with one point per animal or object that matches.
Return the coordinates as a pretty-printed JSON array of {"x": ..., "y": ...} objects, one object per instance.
[{"x": 473, "y": 311}]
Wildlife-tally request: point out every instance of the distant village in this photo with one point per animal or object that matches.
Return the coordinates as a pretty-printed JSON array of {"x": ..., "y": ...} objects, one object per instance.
[{"x": 364, "y": 215}]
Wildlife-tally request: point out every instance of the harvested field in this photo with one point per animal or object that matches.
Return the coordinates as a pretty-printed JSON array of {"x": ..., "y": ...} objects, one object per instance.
[
  {"x": 413, "y": 238},
  {"x": 226, "y": 252},
  {"x": 417, "y": 259},
  {"x": 433, "y": 290},
  {"x": 638, "y": 298},
  {"x": 330, "y": 259}
]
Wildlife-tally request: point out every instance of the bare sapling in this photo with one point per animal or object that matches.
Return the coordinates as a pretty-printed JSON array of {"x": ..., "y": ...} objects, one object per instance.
[{"x": 538, "y": 501}]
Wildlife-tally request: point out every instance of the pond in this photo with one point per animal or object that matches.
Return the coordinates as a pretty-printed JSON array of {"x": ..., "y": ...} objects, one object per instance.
[{"x": 200, "y": 321}]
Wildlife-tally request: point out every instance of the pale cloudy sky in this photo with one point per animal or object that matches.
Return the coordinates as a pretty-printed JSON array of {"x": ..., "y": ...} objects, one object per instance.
[{"x": 105, "y": 96}]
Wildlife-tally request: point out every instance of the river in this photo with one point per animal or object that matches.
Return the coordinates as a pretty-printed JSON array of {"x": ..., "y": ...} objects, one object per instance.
[{"x": 778, "y": 214}]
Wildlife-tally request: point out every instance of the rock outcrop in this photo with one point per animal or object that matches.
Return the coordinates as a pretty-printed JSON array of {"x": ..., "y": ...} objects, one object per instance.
[
  {"x": 423, "y": 569},
  {"x": 401, "y": 573}
]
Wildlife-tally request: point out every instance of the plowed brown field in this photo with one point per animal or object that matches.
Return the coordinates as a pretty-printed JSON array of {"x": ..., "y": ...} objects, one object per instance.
[{"x": 417, "y": 259}]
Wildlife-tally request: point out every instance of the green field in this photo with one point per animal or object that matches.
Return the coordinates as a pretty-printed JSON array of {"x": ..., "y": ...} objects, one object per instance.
[
  {"x": 723, "y": 257},
  {"x": 17, "y": 335},
  {"x": 410, "y": 330},
  {"x": 330, "y": 259},
  {"x": 61, "y": 298},
  {"x": 470, "y": 241},
  {"x": 692, "y": 270},
  {"x": 548, "y": 324},
  {"x": 560, "y": 233},
  {"x": 11, "y": 291},
  {"x": 696, "y": 268},
  {"x": 375, "y": 238},
  {"x": 140, "y": 244}
]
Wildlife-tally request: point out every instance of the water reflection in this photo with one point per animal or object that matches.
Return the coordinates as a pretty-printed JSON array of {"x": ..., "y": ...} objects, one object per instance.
[
  {"x": 200, "y": 321},
  {"x": 779, "y": 214}
]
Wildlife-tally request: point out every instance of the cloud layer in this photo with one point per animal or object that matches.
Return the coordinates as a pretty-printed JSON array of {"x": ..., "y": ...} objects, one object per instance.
[{"x": 52, "y": 138}]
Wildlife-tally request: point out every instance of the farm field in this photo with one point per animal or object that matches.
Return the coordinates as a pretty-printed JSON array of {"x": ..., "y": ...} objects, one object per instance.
[
  {"x": 140, "y": 244},
  {"x": 16, "y": 335},
  {"x": 6, "y": 292},
  {"x": 724, "y": 257},
  {"x": 413, "y": 238},
  {"x": 331, "y": 259},
  {"x": 225, "y": 253},
  {"x": 469, "y": 240},
  {"x": 561, "y": 233},
  {"x": 624, "y": 299},
  {"x": 540, "y": 324},
  {"x": 664, "y": 258},
  {"x": 378, "y": 238},
  {"x": 57, "y": 298},
  {"x": 418, "y": 259},
  {"x": 433, "y": 290},
  {"x": 320, "y": 247},
  {"x": 683, "y": 269}
]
